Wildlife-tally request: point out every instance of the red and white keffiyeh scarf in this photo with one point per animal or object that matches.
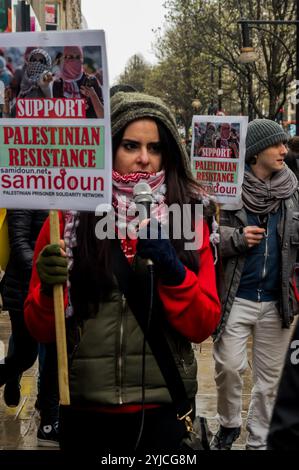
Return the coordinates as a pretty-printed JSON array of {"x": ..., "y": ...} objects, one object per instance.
[{"x": 122, "y": 198}]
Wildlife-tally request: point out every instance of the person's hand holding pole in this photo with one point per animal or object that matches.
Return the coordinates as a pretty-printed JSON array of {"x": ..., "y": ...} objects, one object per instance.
[{"x": 52, "y": 270}]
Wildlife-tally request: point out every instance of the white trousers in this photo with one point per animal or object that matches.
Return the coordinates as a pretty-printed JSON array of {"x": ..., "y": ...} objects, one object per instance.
[{"x": 269, "y": 345}]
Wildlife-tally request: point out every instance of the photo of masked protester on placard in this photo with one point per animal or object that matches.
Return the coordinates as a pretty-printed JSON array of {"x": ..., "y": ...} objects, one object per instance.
[
  {"x": 74, "y": 82},
  {"x": 211, "y": 135},
  {"x": 206, "y": 137},
  {"x": 19, "y": 71},
  {"x": 53, "y": 73},
  {"x": 36, "y": 79},
  {"x": 218, "y": 155},
  {"x": 228, "y": 138}
]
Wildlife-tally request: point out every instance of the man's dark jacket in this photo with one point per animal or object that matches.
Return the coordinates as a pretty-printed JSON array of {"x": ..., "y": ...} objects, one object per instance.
[
  {"x": 23, "y": 229},
  {"x": 233, "y": 249}
]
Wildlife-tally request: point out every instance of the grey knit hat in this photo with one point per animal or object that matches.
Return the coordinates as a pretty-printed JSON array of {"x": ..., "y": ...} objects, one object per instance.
[
  {"x": 261, "y": 134},
  {"x": 126, "y": 107}
]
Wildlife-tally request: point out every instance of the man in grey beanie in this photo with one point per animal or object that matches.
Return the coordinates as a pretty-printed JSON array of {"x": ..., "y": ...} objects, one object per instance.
[{"x": 259, "y": 243}]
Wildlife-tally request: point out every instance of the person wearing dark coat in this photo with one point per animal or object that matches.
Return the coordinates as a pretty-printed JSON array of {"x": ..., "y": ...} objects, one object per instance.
[
  {"x": 284, "y": 427},
  {"x": 259, "y": 248},
  {"x": 23, "y": 229}
]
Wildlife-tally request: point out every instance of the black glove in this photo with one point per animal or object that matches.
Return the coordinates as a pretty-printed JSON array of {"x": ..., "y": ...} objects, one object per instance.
[
  {"x": 153, "y": 244},
  {"x": 51, "y": 267}
]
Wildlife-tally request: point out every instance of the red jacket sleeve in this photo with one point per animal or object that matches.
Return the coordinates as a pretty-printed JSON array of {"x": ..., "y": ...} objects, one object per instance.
[
  {"x": 39, "y": 308},
  {"x": 193, "y": 307}
]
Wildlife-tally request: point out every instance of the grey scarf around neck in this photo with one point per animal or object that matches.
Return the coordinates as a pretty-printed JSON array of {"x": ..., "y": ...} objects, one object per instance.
[{"x": 262, "y": 197}]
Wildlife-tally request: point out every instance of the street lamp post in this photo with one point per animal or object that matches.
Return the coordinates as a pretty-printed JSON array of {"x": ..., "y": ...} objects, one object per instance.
[
  {"x": 248, "y": 54},
  {"x": 220, "y": 91},
  {"x": 250, "y": 104},
  {"x": 211, "y": 107}
]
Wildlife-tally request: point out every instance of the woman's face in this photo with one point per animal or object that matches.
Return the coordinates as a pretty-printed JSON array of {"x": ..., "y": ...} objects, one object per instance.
[{"x": 140, "y": 148}]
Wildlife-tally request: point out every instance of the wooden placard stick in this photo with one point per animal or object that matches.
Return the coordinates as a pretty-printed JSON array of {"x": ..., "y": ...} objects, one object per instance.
[{"x": 63, "y": 380}]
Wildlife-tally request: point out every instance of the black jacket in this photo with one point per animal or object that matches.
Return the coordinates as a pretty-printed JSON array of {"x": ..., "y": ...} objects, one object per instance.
[
  {"x": 23, "y": 229},
  {"x": 233, "y": 249},
  {"x": 284, "y": 427}
]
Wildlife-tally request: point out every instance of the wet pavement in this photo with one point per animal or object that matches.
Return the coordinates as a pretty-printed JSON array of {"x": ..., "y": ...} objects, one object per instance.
[
  {"x": 206, "y": 403},
  {"x": 18, "y": 426}
]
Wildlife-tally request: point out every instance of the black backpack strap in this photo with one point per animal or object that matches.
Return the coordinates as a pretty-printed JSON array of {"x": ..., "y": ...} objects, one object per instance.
[{"x": 129, "y": 284}]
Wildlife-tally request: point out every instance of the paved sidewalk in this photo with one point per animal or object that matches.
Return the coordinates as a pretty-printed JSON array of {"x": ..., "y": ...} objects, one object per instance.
[
  {"x": 18, "y": 426},
  {"x": 206, "y": 397}
]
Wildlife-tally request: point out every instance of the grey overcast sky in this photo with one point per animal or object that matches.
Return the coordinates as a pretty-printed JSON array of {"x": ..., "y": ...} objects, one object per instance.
[{"x": 128, "y": 25}]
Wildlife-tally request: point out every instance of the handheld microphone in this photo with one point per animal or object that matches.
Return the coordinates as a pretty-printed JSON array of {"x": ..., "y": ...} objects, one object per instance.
[
  {"x": 143, "y": 198},
  {"x": 142, "y": 195}
]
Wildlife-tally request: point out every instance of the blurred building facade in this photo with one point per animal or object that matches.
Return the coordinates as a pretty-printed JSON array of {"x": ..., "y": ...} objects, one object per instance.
[
  {"x": 40, "y": 15},
  {"x": 58, "y": 14}
]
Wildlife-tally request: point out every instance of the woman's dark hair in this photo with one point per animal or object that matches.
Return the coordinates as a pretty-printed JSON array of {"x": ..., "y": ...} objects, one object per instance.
[{"x": 92, "y": 276}]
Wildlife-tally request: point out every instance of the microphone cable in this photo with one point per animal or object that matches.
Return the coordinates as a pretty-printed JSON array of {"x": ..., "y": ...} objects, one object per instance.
[
  {"x": 142, "y": 195},
  {"x": 150, "y": 268}
]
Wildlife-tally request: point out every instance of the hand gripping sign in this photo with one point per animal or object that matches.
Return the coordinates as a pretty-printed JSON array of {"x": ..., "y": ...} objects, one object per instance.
[{"x": 55, "y": 139}]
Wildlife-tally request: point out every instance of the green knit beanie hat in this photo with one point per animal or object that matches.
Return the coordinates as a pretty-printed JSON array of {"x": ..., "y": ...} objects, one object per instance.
[
  {"x": 261, "y": 134},
  {"x": 127, "y": 107}
]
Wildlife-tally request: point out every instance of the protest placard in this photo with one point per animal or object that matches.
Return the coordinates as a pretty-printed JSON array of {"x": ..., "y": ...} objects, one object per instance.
[
  {"x": 55, "y": 137},
  {"x": 218, "y": 155}
]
